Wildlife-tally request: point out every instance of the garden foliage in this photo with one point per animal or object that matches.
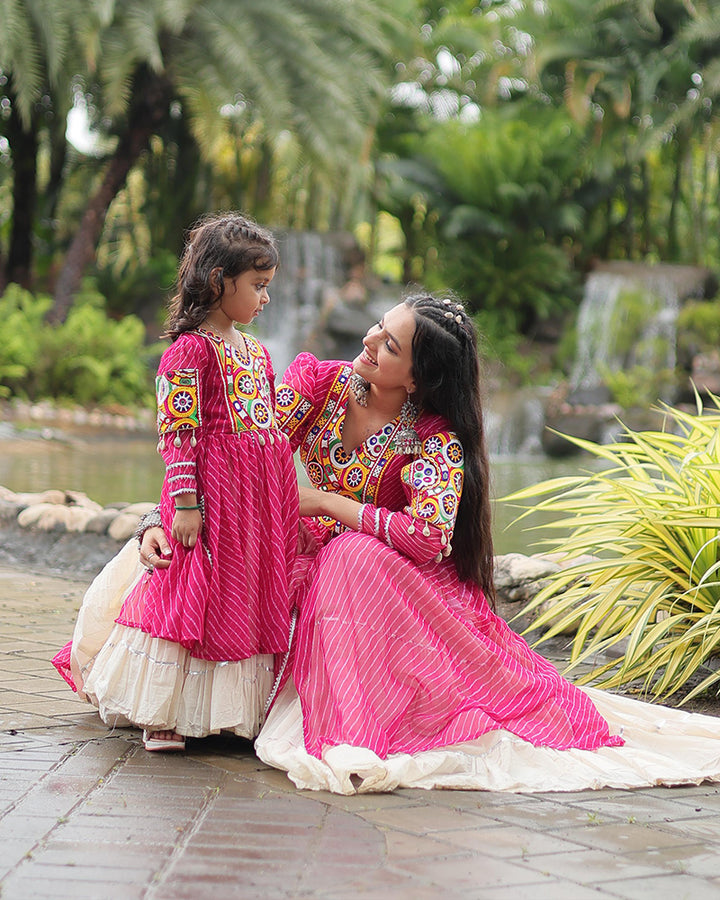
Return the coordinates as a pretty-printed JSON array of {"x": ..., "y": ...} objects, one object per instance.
[
  {"x": 88, "y": 359},
  {"x": 640, "y": 541}
]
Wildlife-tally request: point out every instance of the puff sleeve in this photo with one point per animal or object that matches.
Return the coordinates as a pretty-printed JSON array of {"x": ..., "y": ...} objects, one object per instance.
[
  {"x": 295, "y": 398},
  {"x": 433, "y": 484},
  {"x": 179, "y": 412}
]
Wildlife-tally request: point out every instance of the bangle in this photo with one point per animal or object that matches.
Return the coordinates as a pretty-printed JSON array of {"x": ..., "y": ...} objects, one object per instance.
[
  {"x": 361, "y": 511},
  {"x": 197, "y": 506},
  {"x": 388, "y": 539}
]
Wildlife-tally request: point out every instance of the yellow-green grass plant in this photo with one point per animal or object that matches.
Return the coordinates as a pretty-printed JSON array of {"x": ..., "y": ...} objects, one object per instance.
[{"x": 649, "y": 520}]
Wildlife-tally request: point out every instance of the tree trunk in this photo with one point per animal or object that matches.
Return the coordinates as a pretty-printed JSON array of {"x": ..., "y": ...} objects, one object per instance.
[
  {"x": 151, "y": 97},
  {"x": 24, "y": 149},
  {"x": 58, "y": 156}
]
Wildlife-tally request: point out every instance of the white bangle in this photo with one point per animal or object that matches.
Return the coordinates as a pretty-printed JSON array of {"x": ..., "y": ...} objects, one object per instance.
[
  {"x": 361, "y": 512},
  {"x": 376, "y": 526},
  {"x": 388, "y": 540}
]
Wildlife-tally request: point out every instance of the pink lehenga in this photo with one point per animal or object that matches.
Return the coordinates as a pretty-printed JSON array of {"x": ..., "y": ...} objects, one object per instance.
[
  {"x": 402, "y": 675},
  {"x": 191, "y": 648}
]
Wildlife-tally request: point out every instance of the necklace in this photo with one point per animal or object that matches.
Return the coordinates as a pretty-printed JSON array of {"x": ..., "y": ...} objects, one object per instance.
[{"x": 233, "y": 341}]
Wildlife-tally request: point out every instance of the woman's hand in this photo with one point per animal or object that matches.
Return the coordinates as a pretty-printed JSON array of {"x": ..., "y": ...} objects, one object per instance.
[
  {"x": 155, "y": 550},
  {"x": 327, "y": 503},
  {"x": 311, "y": 501}
]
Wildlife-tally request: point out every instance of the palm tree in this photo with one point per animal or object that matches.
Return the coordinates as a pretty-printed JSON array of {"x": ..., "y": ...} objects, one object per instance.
[
  {"x": 36, "y": 54},
  {"x": 315, "y": 69}
]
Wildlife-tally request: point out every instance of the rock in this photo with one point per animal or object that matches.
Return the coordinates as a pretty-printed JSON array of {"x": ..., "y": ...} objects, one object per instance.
[
  {"x": 33, "y": 499},
  {"x": 78, "y": 517},
  {"x": 54, "y": 517},
  {"x": 9, "y": 509},
  {"x": 77, "y": 498},
  {"x": 31, "y": 514},
  {"x": 519, "y": 577},
  {"x": 139, "y": 509},
  {"x": 123, "y": 526},
  {"x": 587, "y": 426},
  {"x": 706, "y": 372},
  {"x": 101, "y": 521},
  {"x": 688, "y": 281}
]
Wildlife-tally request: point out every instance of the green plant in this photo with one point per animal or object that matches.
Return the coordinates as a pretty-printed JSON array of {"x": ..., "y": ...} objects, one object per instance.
[
  {"x": 698, "y": 326},
  {"x": 639, "y": 386},
  {"x": 88, "y": 359},
  {"x": 651, "y": 590},
  {"x": 22, "y": 317}
]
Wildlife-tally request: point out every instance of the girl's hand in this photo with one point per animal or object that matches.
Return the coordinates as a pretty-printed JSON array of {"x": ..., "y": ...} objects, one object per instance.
[
  {"x": 155, "y": 550},
  {"x": 186, "y": 526}
]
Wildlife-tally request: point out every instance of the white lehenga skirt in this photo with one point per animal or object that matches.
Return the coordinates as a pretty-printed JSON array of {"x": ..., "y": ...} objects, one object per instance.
[
  {"x": 663, "y": 746},
  {"x": 135, "y": 679}
]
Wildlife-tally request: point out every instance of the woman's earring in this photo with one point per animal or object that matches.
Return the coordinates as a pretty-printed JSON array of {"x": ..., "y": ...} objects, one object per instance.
[
  {"x": 407, "y": 440},
  {"x": 359, "y": 388}
]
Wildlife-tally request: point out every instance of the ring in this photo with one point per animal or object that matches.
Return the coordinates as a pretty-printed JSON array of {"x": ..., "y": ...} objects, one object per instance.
[{"x": 150, "y": 555}]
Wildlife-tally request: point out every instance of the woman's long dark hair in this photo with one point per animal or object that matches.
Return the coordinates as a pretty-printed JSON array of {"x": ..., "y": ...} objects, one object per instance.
[
  {"x": 228, "y": 241},
  {"x": 447, "y": 375}
]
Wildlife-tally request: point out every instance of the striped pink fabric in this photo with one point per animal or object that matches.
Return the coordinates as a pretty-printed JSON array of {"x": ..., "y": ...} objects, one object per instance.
[
  {"x": 393, "y": 652},
  {"x": 228, "y": 597}
]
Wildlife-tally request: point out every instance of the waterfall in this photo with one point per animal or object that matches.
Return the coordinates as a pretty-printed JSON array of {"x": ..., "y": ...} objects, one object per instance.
[
  {"x": 514, "y": 421},
  {"x": 310, "y": 266},
  {"x": 624, "y": 321}
]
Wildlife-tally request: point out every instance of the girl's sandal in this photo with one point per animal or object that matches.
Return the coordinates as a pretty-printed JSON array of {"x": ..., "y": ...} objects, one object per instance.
[{"x": 153, "y": 744}]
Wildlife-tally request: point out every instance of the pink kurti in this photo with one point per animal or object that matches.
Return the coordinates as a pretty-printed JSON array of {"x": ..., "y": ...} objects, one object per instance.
[
  {"x": 393, "y": 652},
  {"x": 227, "y": 598}
]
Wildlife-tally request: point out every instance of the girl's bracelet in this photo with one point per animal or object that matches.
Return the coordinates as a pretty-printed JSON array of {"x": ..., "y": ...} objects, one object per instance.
[{"x": 196, "y": 506}]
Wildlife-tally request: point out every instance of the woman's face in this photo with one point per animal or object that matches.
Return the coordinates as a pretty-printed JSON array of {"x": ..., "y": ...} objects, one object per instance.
[{"x": 386, "y": 360}]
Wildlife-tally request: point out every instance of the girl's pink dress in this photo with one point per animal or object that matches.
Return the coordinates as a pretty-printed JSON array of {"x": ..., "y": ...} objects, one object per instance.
[
  {"x": 200, "y": 636},
  {"x": 227, "y": 597},
  {"x": 393, "y": 652}
]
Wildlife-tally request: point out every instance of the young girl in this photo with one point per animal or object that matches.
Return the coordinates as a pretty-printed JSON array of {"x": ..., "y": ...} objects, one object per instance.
[{"x": 192, "y": 651}]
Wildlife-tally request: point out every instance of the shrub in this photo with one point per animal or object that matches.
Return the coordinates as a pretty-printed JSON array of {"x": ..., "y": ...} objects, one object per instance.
[
  {"x": 699, "y": 326},
  {"x": 88, "y": 359},
  {"x": 650, "y": 520},
  {"x": 22, "y": 316}
]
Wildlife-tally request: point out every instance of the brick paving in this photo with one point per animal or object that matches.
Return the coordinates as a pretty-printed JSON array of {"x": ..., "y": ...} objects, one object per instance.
[{"x": 85, "y": 812}]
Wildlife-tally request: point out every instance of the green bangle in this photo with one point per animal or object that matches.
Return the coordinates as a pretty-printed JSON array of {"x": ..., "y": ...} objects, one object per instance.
[{"x": 197, "y": 506}]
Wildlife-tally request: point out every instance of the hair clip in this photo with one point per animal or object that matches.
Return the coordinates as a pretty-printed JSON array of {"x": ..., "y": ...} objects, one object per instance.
[
  {"x": 447, "y": 302},
  {"x": 448, "y": 315},
  {"x": 458, "y": 319}
]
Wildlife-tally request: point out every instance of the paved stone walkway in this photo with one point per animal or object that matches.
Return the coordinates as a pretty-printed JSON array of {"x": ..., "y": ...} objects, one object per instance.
[{"x": 87, "y": 813}]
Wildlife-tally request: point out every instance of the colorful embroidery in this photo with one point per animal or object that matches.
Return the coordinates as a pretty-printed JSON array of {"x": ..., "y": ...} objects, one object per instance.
[
  {"x": 249, "y": 395},
  {"x": 435, "y": 480},
  {"x": 291, "y": 409},
  {"x": 356, "y": 474},
  {"x": 177, "y": 400}
]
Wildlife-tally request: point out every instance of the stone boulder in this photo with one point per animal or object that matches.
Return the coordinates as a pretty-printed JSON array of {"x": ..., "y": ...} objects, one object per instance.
[{"x": 520, "y": 578}]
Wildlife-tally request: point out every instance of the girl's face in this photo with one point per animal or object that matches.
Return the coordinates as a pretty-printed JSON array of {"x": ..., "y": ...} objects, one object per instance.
[
  {"x": 386, "y": 360},
  {"x": 246, "y": 294}
]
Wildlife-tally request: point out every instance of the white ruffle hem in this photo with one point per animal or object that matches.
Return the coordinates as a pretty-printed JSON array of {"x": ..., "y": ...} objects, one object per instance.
[
  {"x": 135, "y": 679},
  {"x": 663, "y": 746}
]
